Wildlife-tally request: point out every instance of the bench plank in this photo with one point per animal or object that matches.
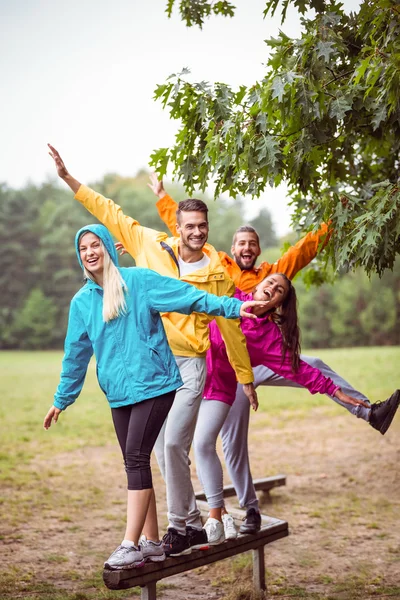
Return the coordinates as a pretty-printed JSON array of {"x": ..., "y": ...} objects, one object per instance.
[
  {"x": 152, "y": 572},
  {"x": 264, "y": 484}
]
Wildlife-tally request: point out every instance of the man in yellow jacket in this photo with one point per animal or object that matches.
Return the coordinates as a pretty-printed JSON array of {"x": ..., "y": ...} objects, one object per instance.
[{"x": 189, "y": 258}]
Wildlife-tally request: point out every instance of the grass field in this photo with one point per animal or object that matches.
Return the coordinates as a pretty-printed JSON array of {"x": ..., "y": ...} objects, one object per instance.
[{"x": 62, "y": 491}]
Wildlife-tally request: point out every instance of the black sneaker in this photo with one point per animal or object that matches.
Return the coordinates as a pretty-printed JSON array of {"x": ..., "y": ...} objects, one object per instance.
[
  {"x": 251, "y": 522},
  {"x": 382, "y": 413},
  {"x": 197, "y": 538},
  {"x": 175, "y": 543}
]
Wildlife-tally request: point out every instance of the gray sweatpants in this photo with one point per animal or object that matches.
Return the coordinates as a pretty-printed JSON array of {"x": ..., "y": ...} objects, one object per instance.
[
  {"x": 211, "y": 417},
  {"x": 235, "y": 429},
  {"x": 173, "y": 445}
]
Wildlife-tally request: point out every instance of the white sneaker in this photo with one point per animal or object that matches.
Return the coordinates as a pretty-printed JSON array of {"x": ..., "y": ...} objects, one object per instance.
[
  {"x": 215, "y": 531},
  {"x": 125, "y": 557},
  {"x": 229, "y": 527},
  {"x": 152, "y": 551}
]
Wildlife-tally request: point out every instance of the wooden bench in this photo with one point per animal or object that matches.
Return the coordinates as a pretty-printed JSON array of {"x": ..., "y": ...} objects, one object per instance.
[
  {"x": 147, "y": 576},
  {"x": 264, "y": 485}
]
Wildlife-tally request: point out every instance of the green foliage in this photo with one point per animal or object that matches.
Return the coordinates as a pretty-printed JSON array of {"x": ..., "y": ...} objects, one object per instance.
[
  {"x": 325, "y": 118},
  {"x": 193, "y": 12},
  {"x": 354, "y": 311},
  {"x": 265, "y": 229},
  {"x": 35, "y": 322},
  {"x": 39, "y": 272}
]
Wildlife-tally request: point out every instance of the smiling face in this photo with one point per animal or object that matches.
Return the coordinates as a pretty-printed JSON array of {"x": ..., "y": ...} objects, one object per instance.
[
  {"x": 193, "y": 230},
  {"x": 246, "y": 249},
  {"x": 92, "y": 254},
  {"x": 274, "y": 289}
]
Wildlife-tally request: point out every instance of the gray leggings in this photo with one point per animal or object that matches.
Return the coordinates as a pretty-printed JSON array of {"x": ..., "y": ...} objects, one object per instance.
[
  {"x": 235, "y": 429},
  {"x": 212, "y": 415}
]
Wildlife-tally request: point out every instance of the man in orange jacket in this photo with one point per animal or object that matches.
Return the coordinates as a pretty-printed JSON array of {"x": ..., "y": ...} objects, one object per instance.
[{"x": 246, "y": 275}]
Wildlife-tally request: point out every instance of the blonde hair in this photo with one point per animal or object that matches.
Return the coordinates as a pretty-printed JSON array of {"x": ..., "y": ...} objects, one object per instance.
[{"x": 114, "y": 288}]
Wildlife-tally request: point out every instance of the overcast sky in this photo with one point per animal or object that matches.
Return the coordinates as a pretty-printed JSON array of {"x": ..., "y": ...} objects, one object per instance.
[{"x": 81, "y": 75}]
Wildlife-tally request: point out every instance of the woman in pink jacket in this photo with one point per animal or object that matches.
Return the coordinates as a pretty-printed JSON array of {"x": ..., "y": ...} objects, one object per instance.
[{"x": 273, "y": 340}]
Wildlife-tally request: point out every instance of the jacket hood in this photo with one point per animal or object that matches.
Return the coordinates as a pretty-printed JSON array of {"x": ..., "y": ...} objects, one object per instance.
[{"x": 105, "y": 236}]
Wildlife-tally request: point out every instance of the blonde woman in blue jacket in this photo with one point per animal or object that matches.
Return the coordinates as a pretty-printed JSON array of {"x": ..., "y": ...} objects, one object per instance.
[{"x": 115, "y": 316}]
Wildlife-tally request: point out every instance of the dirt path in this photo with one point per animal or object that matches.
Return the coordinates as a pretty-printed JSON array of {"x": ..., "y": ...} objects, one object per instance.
[{"x": 342, "y": 502}]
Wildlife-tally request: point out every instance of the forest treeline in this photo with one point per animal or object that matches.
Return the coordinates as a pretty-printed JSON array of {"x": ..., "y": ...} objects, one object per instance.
[{"x": 39, "y": 272}]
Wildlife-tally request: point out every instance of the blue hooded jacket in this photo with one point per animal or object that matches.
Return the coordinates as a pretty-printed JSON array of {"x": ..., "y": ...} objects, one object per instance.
[{"x": 134, "y": 360}]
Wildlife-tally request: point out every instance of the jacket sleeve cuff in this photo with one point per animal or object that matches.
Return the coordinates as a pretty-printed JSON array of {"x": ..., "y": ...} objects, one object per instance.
[
  {"x": 59, "y": 405},
  {"x": 244, "y": 379},
  {"x": 333, "y": 390},
  {"x": 82, "y": 193},
  {"x": 62, "y": 404}
]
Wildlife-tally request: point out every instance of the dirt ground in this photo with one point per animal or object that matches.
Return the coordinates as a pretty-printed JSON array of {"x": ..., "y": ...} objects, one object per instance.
[{"x": 342, "y": 502}]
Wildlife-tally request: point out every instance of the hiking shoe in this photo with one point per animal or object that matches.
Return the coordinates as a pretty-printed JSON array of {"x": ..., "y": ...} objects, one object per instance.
[
  {"x": 175, "y": 543},
  {"x": 215, "y": 531},
  {"x": 229, "y": 527},
  {"x": 152, "y": 551},
  {"x": 382, "y": 413},
  {"x": 125, "y": 557},
  {"x": 251, "y": 522},
  {"x": 197, "y": 538}
]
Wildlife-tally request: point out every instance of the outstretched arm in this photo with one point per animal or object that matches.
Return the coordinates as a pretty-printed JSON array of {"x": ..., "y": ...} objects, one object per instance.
[
  {"x": 309, "y": 377},
  {"x": 127, "y": 230},
  {"x": 166, "y": 206},
  {"x": 181, "y": 297},
  {"x": 301, "y": 254}
]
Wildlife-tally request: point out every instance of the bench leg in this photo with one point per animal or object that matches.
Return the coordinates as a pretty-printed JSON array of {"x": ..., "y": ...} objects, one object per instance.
[
  {"x": 259, "y": 569},
  {"x": 149, "y": 592}
]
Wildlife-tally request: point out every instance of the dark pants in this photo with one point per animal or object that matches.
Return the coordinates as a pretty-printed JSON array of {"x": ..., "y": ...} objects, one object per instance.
[{"x": 137, "y": 427}]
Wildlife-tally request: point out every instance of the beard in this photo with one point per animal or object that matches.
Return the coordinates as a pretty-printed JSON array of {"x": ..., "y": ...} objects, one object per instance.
[{"x": 248, "y": 266}]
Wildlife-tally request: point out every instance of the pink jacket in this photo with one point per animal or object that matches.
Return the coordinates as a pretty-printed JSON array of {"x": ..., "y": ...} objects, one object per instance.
[{"x": 264, "y": 344}]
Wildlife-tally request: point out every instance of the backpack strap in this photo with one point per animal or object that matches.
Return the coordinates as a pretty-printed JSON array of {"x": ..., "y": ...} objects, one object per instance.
[{"x": 165, "y": 246}]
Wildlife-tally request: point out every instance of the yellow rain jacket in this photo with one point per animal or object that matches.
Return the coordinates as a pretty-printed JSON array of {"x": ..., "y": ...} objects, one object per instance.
[{"x": 188, "y": 335}]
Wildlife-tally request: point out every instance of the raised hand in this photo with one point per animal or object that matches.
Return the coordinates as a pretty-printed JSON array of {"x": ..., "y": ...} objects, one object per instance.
[
  {"x": 62, "y": 170},
  {"x": 60, "y": 166},
  {"x": 120, "y": 248},
  {"x": 156, "y": 186}
]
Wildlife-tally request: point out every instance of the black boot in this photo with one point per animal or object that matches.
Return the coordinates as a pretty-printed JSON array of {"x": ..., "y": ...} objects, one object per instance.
[
  {"x": 382, "y": 413},
  {"x": 251, "y": 522}
]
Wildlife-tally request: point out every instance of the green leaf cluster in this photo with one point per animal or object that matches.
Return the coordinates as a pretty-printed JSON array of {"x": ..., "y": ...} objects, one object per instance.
[
  {"x": 194, "y": 12},
  {"x": 325, "y": 119}
]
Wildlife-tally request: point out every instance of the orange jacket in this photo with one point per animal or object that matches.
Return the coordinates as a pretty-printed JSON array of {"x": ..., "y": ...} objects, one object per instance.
[{"x": 294, "y": 259}]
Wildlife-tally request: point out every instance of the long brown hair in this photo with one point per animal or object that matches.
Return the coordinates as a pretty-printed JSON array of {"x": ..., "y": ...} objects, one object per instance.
[{"x": 285, "y": 316}]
